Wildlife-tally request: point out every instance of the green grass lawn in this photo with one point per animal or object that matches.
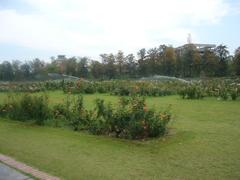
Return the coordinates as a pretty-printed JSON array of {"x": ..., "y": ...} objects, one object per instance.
[{"x": 203, "y": 143}]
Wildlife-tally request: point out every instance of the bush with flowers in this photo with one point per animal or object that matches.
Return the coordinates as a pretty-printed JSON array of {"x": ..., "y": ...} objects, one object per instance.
[
  {"x": 130, "y": 118},
  {"x": 26, "y": 107}
]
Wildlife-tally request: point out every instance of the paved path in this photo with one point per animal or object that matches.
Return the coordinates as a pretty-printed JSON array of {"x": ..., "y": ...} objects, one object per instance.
[
  {"x": 7, "y": 173},
  {"x": 24, "y": 168}
]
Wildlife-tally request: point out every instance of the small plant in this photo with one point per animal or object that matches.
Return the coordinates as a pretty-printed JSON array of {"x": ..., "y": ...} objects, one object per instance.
[
  {"x": 234, "y": 93},
  {"x": 78, "y": 118},
  {"x": 223, "y": 93},
  {"x": 59, "y": 114}
]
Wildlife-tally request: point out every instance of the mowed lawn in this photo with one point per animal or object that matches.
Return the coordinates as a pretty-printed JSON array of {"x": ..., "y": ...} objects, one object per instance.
[{"x": 203, "y": 143}]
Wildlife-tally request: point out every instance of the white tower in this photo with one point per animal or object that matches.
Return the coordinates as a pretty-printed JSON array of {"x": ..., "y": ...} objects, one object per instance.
[{"x": 189, "y": 38}]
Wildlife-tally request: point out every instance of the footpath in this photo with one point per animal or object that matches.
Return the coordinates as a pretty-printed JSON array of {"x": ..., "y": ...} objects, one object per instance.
[{"x": 10, "y": 169}]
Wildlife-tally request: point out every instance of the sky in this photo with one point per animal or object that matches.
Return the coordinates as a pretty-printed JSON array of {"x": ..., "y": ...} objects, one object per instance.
[{"x": 44, "y": 28}]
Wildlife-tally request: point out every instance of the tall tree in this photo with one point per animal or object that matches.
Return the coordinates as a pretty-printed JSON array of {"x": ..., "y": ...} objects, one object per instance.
[
  {"x": 196, "y": 63},
  {"x": 222, "y": 53},
  {"x": 37, "y": 66},
  {"x": 6, "y": 71},
  {"x": 109, "y": 65},
  {"x": 152, "y": 59},
  {"x": 141, "y": 62},
  {"x": 188, "y": 60},
  {"x": 236, "y": 61},
  {"x": 16, "y": 70},
  {"x": 209, "y": 62},
  {"x": 70, "y": 66},
  {"x": 120, "y": 60},
  {"x": 97, "y": 70},
  {"x": 82, "y": 67},
  {"x": 131, "y": 66},
  {"x": 169, "y": 61},
  {"x": 26, "y": 70}
]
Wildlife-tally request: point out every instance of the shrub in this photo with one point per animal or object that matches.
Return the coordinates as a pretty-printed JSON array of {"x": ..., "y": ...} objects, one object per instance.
[
  {"x": 27, "y": 107},
  {"x": 89, "y": 89},
  {"x": 73, "y": 113},
  {"x": 4, "y": 109},
  {"x": 234, "y": 93},
  {"x": 100, "y": 117},
  {"x": 78, "y": 118},
  {"x": 59, "y": 114},
  {"x": 131, "y": 119},
  {"x": 223, "y": 93},
  {"x": 101, "y": 89},
  {"x": 192, "y": 92}
]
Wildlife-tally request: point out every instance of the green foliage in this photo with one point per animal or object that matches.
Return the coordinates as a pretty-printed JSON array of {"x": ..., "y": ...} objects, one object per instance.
[
  {"x": 131, "y": 119},
  {"x": 71, "y": 113},
  {"x": 59, "y": 114},
  {"x": 236, "y": 62},
  {"x": 27, "y": 107},
  {"x": 80, "y": 86},
  {"x": 31, "y": 86},
  {"x": 186, "y": 61},
  {"x": 223, "y": 93},
  {"x": 220, "y": 88},
  {"x": 124, "y": 88},
  {"x": 78, "y": 116},
  {"x": 224, "y": 88},
  {"x": 234, "y": 93},
  {"x": 192, "y": 92}
]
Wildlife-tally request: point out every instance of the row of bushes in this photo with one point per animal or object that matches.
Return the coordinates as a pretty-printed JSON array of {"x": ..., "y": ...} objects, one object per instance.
[
  {"x": 192, "y": 92},
  {"x": 130, "y": 119},
  {"x": 31, "y": 86},
  {"x": 26, "y": 107},
  {"x": 124, "y": 88},
  {"x": 114, "y": 87},
  {"x": 220, "y": 90}
]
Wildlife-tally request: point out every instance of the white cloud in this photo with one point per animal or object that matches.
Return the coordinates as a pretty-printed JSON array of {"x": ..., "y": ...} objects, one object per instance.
[{"x": 90, "y": 27}]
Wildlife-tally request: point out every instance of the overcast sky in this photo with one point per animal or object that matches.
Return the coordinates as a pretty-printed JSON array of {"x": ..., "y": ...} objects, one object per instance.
[{"x": 45, "y": 28}]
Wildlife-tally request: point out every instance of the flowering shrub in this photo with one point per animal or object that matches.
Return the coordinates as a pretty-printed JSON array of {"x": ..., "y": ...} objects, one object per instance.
[
  {"x": 234, "y": 92},
  {"x": 71, "y": 113},
  {"x": 124, "y": 88},
  {"x": 27, "y": 107},
  {"x": 130, "y": 119},
  {"x": 221, "y": 88},
  {"x": 31, "y": 86},
  {"x": 192, "y": 92},
  {"x": 80, "y": 86}
]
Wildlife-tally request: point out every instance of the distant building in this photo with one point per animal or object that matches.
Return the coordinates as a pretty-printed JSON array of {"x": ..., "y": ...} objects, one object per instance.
[
  {"x": 199, "y": 47},
  {"x": 61, "y": 57},
  {"x": 59, "y": 62}
]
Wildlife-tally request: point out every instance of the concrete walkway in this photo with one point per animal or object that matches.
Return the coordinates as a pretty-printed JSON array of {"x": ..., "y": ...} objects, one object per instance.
[
  {"x": 24, "y": 168},
  {"x": 7, "y": 173}
]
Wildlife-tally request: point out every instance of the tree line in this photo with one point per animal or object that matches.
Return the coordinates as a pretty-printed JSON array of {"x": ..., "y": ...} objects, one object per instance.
[{"x": 163, "y": 60}]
